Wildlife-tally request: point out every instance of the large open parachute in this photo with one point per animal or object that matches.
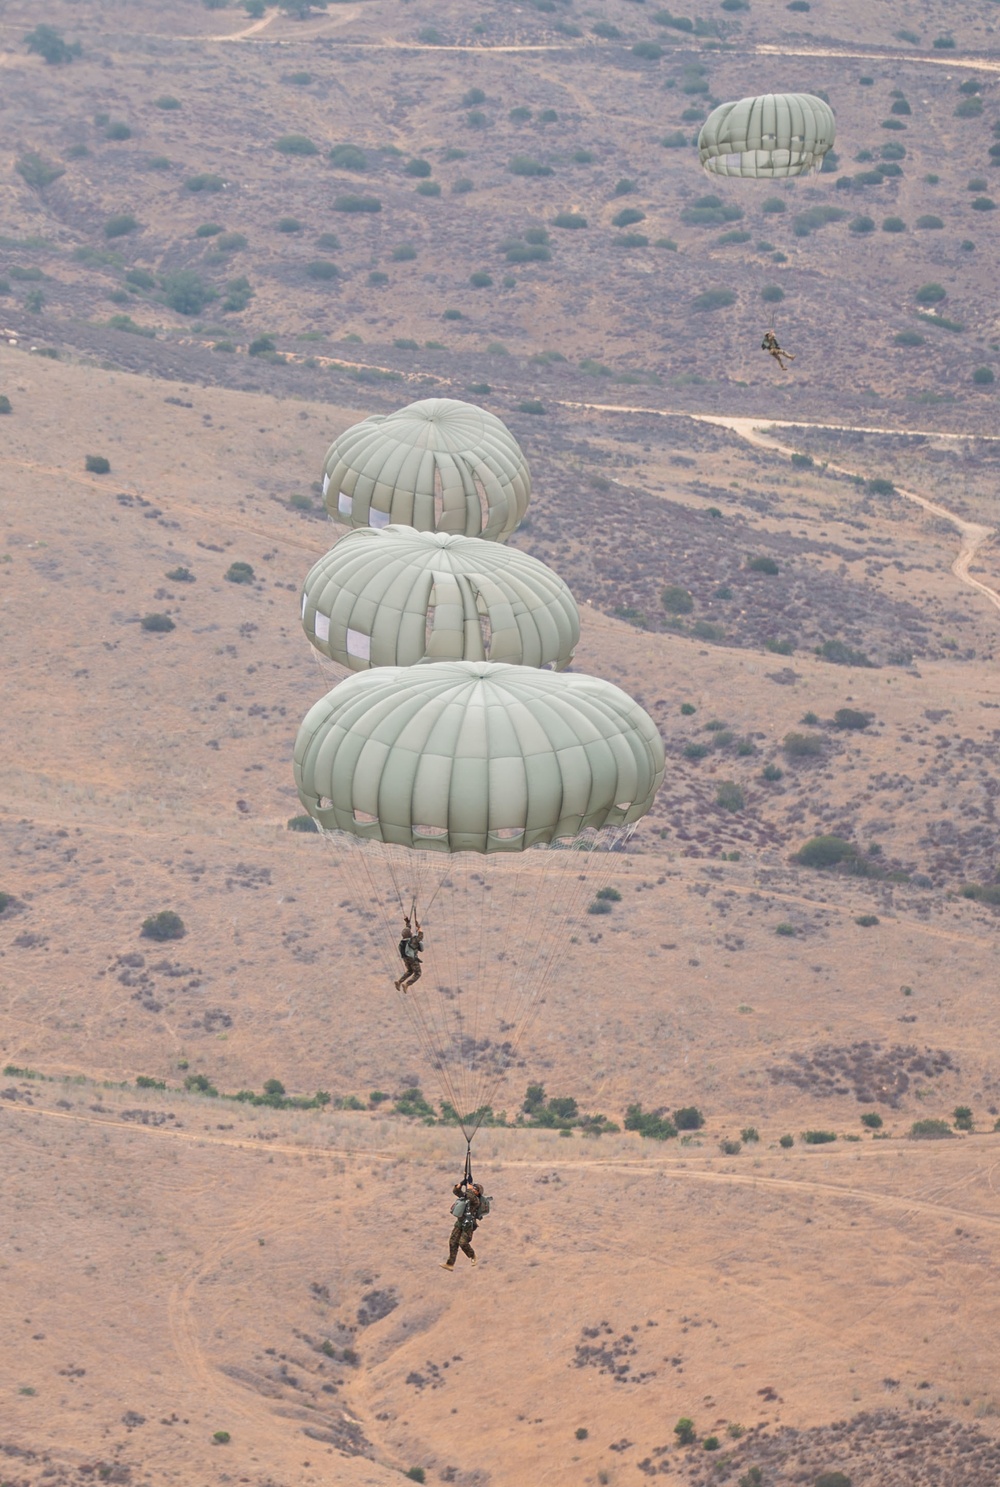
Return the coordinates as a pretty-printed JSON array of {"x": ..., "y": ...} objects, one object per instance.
[
  {"x": 493, "y": 801},
  {"x": 397, "y": 597},
  {"x": 776, "y": 134},
  {"x": 439, "y": 465}
]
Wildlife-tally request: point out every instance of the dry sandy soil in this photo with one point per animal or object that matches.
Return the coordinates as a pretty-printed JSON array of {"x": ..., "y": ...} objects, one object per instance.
[{"x": 178, "y": 1264}]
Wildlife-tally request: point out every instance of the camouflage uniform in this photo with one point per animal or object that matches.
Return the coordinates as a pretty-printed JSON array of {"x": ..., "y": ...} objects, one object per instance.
[{"x": 461, "y": 1234}]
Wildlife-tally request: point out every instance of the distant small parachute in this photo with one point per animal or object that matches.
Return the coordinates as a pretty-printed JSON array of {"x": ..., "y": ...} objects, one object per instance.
[
  {"x": 494, "y": 801},
  {"x": 776, "y": 134},
  {"x": 439, "y": 465},
  {"x": 397, "y": 597}
]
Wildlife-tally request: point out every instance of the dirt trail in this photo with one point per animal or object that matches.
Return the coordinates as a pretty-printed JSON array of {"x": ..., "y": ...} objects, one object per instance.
[
  {"x": 974, "y": 536},
  {"x": 794, "y": 1186}
]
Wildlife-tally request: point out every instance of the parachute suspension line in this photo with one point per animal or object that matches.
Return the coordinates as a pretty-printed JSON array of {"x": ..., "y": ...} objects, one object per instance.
[{"x": 468, "y": 1160}]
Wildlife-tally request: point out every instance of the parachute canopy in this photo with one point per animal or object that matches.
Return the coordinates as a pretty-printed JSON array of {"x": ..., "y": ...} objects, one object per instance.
[
  {"x": 777, "y": 134},
  {"x": 471, "y": 756},
  {"x": 439, "y": 465},
  {"x": 396, "y": 597}
]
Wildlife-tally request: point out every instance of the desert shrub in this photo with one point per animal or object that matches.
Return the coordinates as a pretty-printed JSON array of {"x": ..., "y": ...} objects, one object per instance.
[
  {"x": 851, "y": 718},
  {"x": 729, "y": 796},
  {"x": 786, "y": 930},
  {"x": 651, "y": 1125},
  {"x": 452, "y": 315},
  {"x": 186, "y": 293},
  {"x": 786, "y": 1141},
  {"x": 684, "y": 1431},
  {"x": 354, "y": 203},
  {"x": 49, "y": 43},
  {"x": 612, "y": 895},
  {"x": 97, "y": 464},
  {"x": 818, "y": 1138},
  {"x": 713, "y": 299},
  {"x": 348, "y": 157},
  {"x": 166, "y": 925},
  {"x": 675, "y": 140},
  {"x": 239, "y": 572},
  {"x": 931, "y": 294},
  {"x": 826, "y": 852},
  {"x": 627, "y": 216},
  {"x": 893, "y": 224},
  {"x": 599, "y": 907},
  {"x": 322, "y": 269},
  {"x": 931, "y": 1130},
  {"x": 833, "y": 1479},
  {"x": 695, "y": 750},
  {"x": 118, "y": 131},
  {"x": 710, "y": 211},
  {"x": 872, "y": 1120},
  {"x": 119, "y": 225},
  {"x": 158, "y": 162},
  {"x": 929, "y": 222},
  {"x": 750, "y": 1134},
  {"x": 983, "y": 376},
  {"x": 677, "y": 600},
  {"x": 140, "y": 278},
  {"x": 816, "y": 217},
  {"x": 986, "y": 893},
  {"x": 295, "y": 144},
  {"x": 288, "y": 224},
  {"x": 481, "y": 280},
  {"x": 962, "y": 1116},
  {"x": 403, "y": 253},
  {"x": 569, "y": 220},
  {"x": 649, "y": 51},
  {"x": 127, "y": 324},
  {"x": 984, "y": 204},
  {"x": 206, "y": 230},
  {"x": 842, "y": 654},
  {"x": 301, "y": 823},
  {"x": 630, "y": 240},
  {"x": 867, "y": 921},
  {"x": 772, "y": 205},
  {"x": 416, "y": 1474},
  {"x": 428, "y": 188},
  {"x": 711, "y": 1442},
  {"x": 37, "y": 171},
  {"x": 524, "y": 165},
  {"x": 861, "y": 225},
  {"x": 239, "y": 293},
  {"x": 158, "y": 623},
  {"x": 772, "y": 773},
  {"x": 5, "y": 404},
  {"x": 606, "y": 31},
  {"x": 762, "y": 564},
  {"x": 688, "y": 1118},
  {"x": 180, "y": 575},
  {"x": 417, "y": 167},
  {"x": 909, "y": 338},
  {"x": 773, "y": 294}
]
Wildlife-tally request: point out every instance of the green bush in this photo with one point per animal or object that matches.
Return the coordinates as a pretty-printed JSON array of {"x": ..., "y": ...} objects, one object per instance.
[
  {"x": 186, "y": 293},
  {"x": 239, "y": 572},
  {"x": 651, "y": 1125},
  {"x": 785, "y": 929},
  {"x": 288, "y": 224},
  {"x": 118, "y": 131},
  {"x": 772, "y": 205},
  {"x": 206, "y": 230},
  {"x": 851, "y": 718},
  {"x": 302, "y": 823},
  {"x": 599, "y": 907},
  {"x": 773, "y": 294},
  {"x": 5, "y": 405},
  {"x": 872, "y": 1120},
  {"x": 684, "y": 1431},
  {"x": 893, "y": 224},
  {"x": 348, "y": 157},
  {"x": 867, "y": 921},
  {"x": 929, "y": 222},
  {"x": 676, "y": 599},
  {"x": 417, "y": 167},
  {"x": 403, "y": 253},
  {"x": 49, "y": 43},
  {"x": 861, "y": 225},
  {"x": 931, "y": 294},
  {"x": 204, "y": 182},
  {"x": 772, "y": 773},
  {"x": 833, "y": 1479},
  {"x": 322, "y": 269},
  {"x": 97, "y": 464},
  {"x": 649, "y": 51},
  {"x": 119, "y": 225},
  {"x": 786, "y": 1141},
  {"x": 569, "y": 220},
  {"x": 818, "y": 1138},
  {"x": 688, "y": 1118},
  {"x": 161, "y": 623},
  {"x": 36, "y": 171},
  {"x": 239, "y": 293},
  {"x": 180, "y": 575},
  {"x": 222, "y": 1437},
  {"x": 295, "y": 144},
  {"x": 416, "y": 1474},
  {"x": 627, "y": 216},
  {"x": 428, "y": 188},
  {"x": 611, "y": 894},
  {"x": 729, "y": 796},
  {"x": 962, "y": 1116},
  {"x": 166, "y": 925},
  {"x": 762, "y": 564},
  {"x": 909, "y": 338},
  {"x": 983, "y": 376},
  {"x": 524, "y": 165},
  {"x": 354, "y": 203},
  {"x": 675, "y": 140},
  {"x": 931, "y": 1130},
  {"x": 825, "y": 852},
  {"x": 713, "y": 299},
  {"x": 531, "y": 405}
]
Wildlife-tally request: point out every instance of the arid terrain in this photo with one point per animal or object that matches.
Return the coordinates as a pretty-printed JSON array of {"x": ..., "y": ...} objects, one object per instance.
[{"x": 199, "y": 1289}]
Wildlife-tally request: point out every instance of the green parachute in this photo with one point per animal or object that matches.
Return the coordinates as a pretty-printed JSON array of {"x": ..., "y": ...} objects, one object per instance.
[{"x": 776, "y": 134}]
